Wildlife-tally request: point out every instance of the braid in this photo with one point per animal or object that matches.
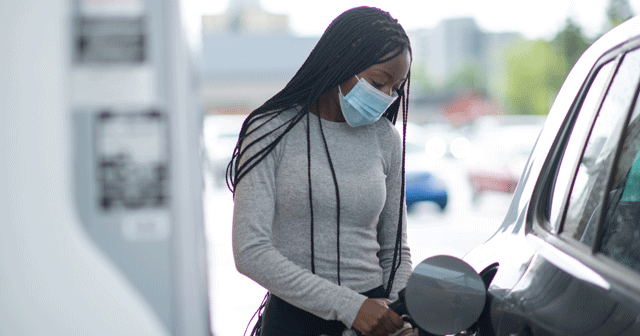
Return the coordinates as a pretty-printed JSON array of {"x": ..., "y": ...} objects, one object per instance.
[
  {"x": 313, "y": 261},
  {"x": 335, "y": 183},
  {"x": 397, "y": 256},
  {"x": 353, "y": 42}
]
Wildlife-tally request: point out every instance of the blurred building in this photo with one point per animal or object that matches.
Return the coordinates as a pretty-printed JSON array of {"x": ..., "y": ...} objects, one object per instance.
[
  {"x": 444, "y": 51},
  {"x": 248, "y": 55},
  {"x": 245, "y": 16},
  {"x": 454, "y": 43}
]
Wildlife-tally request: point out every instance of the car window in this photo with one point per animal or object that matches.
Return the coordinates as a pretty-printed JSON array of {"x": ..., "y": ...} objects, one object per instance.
[
  {"x": 621, "y": 226},
  {"x": 590, "y": 181},
  {"x": 573, "y": 148}
]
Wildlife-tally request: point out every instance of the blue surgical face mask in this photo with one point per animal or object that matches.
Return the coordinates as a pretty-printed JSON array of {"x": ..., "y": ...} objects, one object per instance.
[{"x": 364, "y": 104}]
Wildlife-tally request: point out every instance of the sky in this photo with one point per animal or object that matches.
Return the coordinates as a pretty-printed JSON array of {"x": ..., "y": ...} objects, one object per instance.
[{"x": 534, "y": 19}]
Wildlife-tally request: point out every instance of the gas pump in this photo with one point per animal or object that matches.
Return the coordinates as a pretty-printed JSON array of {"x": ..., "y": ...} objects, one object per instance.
[{"x": 103, "y": 231}]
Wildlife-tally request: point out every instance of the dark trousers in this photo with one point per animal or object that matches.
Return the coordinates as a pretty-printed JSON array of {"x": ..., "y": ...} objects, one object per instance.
[{"x": 283, "y": 319}]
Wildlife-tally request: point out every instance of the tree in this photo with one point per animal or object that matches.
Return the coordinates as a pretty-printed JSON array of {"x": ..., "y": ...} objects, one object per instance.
[
  {"x": 533, "y": 74},
  {"x": 468, "y": 77},
  {"x": 571, "y": 42},
  {"x": 420, "y": 79},
  {"x": 618, "y": 12}
]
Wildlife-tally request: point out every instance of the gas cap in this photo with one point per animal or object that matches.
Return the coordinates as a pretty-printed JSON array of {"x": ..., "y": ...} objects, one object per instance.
[{"x": 444, "y": 295}]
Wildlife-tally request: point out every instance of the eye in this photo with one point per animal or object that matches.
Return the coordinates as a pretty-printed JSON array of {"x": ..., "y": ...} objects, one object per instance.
[{"x": 376, "y": 84}]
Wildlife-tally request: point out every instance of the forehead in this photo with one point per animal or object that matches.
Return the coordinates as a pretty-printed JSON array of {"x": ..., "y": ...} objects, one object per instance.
[{"x": 397, "y": 67}]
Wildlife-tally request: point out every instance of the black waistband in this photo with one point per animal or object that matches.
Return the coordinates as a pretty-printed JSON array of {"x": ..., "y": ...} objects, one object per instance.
[{"x": 283, "y": 319}]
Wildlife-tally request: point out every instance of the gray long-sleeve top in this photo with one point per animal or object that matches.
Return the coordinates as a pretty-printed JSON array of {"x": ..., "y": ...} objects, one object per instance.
[{"x": 272, "y": 220}]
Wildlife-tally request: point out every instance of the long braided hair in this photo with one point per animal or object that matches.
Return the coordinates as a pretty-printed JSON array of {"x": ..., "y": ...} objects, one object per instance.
[{"x": 354, "y": 41}]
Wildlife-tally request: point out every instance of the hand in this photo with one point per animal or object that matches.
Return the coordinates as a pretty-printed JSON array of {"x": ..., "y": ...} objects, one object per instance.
[
  {"x": 376, "y": 319},
  {"x": 406, "y": 330}
]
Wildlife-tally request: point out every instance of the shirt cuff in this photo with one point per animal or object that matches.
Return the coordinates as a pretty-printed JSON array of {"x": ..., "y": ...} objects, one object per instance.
[{"x": 348, "y": 305}]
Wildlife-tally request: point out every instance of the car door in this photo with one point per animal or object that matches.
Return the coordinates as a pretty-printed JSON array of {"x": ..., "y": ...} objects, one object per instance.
[{"x": 583, "y": 279}]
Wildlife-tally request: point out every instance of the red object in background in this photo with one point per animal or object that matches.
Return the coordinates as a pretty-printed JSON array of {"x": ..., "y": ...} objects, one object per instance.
[
  {"x": 468, "y": 106},
  {"x": 482, "y": 180}
]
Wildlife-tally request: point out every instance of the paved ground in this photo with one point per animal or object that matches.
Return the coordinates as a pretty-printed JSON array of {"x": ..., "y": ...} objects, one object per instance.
[{"x": 462, "y": 226}]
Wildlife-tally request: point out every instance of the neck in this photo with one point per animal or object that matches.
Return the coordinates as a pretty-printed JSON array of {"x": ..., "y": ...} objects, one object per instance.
[{"x": 328, "y": 106}]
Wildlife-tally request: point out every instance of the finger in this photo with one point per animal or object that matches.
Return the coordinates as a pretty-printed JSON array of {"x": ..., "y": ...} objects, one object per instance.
[
  {"x": 386, "y": 327},
  {"x": 379, "y": 332},
  {"x": 395, "y": 319}
]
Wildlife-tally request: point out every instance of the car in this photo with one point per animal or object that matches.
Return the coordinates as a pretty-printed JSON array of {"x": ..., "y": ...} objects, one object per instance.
[
  {"x": 566, "y": 259},
  {"x": 498, "y": 156},
  {"x": 424, "y": 186}
]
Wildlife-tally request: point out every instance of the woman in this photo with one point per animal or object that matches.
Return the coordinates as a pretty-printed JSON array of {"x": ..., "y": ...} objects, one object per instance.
[{"x": 318, "y": 183}]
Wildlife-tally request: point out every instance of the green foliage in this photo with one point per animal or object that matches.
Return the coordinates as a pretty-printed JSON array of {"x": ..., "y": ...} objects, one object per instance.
[
  {"x": 535, "y": 70},
  {"x": 420, "y": 79},
  {"x": 571, "y": 42},
  {"x": 532, "y": 70},
  {"x": 533, "y": 74},
  {"x": 618, "y": 12},
  {"x": 469, "y": 77}
]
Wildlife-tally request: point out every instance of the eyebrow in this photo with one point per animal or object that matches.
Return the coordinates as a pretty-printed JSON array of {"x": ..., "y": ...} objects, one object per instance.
[{"x": 389, "y": 75}]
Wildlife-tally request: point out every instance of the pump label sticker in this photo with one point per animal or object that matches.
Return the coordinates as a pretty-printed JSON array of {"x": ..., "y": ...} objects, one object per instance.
[{"x": 132, "y": 153}]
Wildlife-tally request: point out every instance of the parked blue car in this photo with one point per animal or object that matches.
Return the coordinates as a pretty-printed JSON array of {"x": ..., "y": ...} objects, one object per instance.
[{"x": 424, "y": 186}]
